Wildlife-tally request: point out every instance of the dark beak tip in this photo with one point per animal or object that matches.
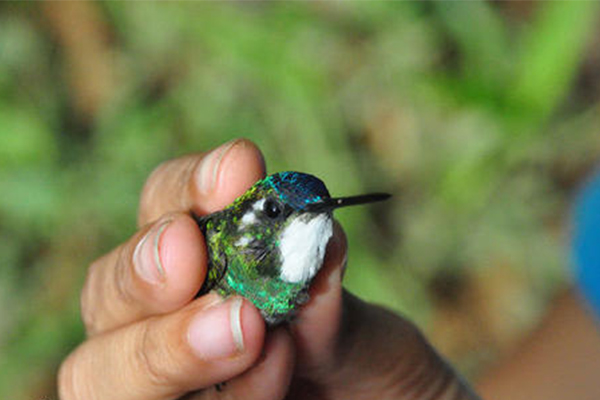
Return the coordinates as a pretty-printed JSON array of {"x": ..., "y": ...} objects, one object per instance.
[{"x": 338, "y": 202}]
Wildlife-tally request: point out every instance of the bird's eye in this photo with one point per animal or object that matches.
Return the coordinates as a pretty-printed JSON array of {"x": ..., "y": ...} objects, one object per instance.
[{"x": 272, "y": 209}]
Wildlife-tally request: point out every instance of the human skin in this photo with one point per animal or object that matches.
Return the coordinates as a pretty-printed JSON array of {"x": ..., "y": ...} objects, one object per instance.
[
  {"x": 559, "y": 360},
  {"x": 148, "y": 338}
]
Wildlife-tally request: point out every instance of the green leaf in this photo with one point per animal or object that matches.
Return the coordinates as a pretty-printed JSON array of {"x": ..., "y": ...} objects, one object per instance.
[
  {"x": 482, "y": 38},
  {"x": 550, "y": 55},
  {"x": 25, "y": 139}
]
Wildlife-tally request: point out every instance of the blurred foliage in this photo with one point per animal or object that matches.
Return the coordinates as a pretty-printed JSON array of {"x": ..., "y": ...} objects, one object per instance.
[{"x": 480, "y": 117}]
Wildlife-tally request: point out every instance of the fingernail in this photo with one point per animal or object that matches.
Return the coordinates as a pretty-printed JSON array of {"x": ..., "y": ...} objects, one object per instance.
[
  {"x": 208, "y": 169},
  {"x": 216, "y": 333},
  {"x": 146, "y": 256},
  {"x": 344, "y": 266},
  {"x": 337, "y": 275}
]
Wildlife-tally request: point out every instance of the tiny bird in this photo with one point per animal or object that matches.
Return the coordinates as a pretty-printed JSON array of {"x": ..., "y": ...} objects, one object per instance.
[{"x": 270, "y": 242}]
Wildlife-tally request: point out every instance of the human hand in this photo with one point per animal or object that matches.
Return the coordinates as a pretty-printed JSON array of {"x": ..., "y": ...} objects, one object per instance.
[{"x": 148, "y": 338}]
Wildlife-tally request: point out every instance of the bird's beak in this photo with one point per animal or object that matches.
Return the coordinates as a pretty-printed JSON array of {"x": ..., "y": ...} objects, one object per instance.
[{"x": 330, "y": 204}]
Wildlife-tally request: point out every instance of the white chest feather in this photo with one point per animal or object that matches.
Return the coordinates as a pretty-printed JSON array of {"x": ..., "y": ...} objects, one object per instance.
[{"x": 302, "y": 245}]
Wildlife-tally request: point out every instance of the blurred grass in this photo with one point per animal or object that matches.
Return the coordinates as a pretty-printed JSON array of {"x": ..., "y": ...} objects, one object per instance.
[{"x": 480, "y": 117}]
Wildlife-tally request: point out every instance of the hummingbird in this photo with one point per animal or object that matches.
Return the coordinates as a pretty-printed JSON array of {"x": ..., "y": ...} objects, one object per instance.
[{"x": 269, "y": 244}]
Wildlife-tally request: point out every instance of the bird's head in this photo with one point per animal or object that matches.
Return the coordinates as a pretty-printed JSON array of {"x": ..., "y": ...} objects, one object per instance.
[{"x": 294, "y": 211}]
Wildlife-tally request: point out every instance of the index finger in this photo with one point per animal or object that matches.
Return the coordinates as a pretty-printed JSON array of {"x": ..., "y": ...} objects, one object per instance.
[{"x": 202, "y": 183}]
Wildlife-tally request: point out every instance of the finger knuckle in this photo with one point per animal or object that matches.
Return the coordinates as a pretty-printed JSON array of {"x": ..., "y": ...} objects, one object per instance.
[
  {"x": 86, "y": 300},
  {"x": 186, "y": 184},
  {"x": 147, "y": 360},
  {"x": 172, "y": 176},
  {"x": 106, "y": 291},
  {"x": 156, "y": 176},
  {"x": 69, "y": 387},
  {"x": 122, "y": 275}
]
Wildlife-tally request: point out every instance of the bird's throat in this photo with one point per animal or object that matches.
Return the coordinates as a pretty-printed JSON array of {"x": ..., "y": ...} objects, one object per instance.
[{"x": 302, "y": 245}]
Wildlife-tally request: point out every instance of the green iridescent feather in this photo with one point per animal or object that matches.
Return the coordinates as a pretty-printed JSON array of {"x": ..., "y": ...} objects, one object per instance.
[{"x": 249, "y": 270}]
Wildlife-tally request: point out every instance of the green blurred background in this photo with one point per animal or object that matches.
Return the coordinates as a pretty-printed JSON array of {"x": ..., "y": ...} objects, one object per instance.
[{"x": 482, "y": 119}]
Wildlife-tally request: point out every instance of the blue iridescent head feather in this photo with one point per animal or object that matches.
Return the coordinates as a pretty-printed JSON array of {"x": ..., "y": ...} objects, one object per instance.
[{"x": 297, "y": 189}]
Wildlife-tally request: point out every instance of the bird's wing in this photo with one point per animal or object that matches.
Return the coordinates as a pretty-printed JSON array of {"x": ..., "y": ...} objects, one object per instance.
[{"x": 217, "y": 258}]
